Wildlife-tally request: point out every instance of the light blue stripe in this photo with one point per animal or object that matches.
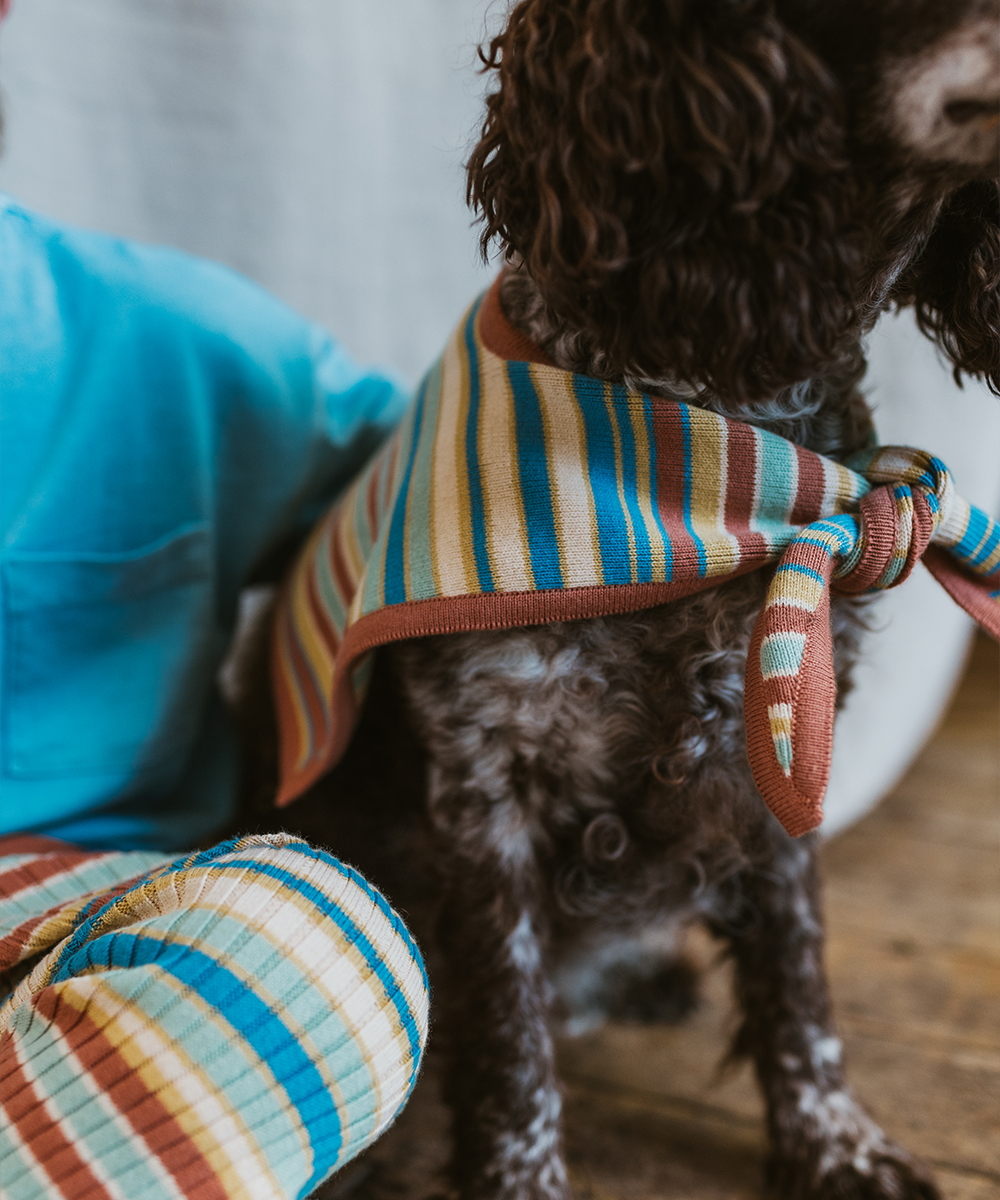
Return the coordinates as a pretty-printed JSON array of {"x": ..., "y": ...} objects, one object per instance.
[
  {"x": 235, "y": 1067},
  {"x": 822, "y": 543},
  {"x": 420, "y": 573},
  {"x": 781, "y": 654},
  {"x": 15, "y": 1171},
  {"x": 778, "y": 476}
]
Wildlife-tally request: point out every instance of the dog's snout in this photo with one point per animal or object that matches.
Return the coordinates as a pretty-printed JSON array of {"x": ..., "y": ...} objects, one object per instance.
[{"x": 946, "y": 99}]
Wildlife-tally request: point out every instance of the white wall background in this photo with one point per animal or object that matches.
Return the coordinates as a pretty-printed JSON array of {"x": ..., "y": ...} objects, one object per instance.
[{"x": 316, "y": 145}]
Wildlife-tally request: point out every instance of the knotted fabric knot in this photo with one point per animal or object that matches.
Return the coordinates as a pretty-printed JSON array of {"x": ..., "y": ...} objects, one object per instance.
[{"x": 910, "y": 509}]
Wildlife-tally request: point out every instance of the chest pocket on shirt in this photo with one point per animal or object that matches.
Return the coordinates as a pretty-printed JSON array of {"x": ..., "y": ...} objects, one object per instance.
[{"x": 107, "y": 657}]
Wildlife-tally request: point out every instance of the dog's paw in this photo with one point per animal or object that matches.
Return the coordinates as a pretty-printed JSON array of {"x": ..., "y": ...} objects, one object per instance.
[
  {"x": 890, "y": 1174},
  {"x": 833, "y": 1150}
]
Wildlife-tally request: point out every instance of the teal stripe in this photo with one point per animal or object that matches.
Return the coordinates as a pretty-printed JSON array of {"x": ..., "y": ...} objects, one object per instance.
[
  {"x": 358, "y": 516},
  {"x": 419, "y": 568},
  {"x": 979, "y": 541},
  {"x": 778, "y": 484},
  {"x": 612, "y": 530},
  {"x": 533, "y": 477},
  {"x": 781, "y": 654}
]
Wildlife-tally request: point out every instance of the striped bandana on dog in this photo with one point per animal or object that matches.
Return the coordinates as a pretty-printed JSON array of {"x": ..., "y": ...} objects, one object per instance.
[{"x": 516, "y": 493}]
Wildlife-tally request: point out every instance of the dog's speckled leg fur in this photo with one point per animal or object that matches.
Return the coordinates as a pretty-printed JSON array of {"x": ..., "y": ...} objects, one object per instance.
[
  {"x": 502, "y": 1084},
  {"x": 823, "y": 1143}
]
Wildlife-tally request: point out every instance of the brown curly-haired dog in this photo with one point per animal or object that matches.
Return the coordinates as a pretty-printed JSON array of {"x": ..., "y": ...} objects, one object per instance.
[{"x": 712, "y": 199}]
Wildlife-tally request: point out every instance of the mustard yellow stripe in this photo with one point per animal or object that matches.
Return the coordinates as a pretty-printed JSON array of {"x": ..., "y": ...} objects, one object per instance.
[
  {"x": 709, "y": 463},
  {"x": 795, "y": 590},
  {"x": 506, "y": 527}
]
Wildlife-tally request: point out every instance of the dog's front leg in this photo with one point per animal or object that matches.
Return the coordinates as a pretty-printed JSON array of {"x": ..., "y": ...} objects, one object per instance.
[
  {"x": 502, "y": 1084},
  {"x": 823, "y": 1143}
]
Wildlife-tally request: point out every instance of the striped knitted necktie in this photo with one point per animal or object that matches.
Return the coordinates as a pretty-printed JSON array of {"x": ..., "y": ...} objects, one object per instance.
[{"x": 516, "y": 493}]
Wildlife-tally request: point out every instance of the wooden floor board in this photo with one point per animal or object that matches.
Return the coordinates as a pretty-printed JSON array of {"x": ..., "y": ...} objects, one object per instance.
[{"x": 913, "y": 916}]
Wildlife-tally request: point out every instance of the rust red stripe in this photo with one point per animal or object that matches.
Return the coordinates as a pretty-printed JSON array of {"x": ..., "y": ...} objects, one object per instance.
[
  {"x": 58, "y": 1158},
  {"x": 39, "y": 870},
  {"x": 144, "y": 1111},
  {"x": 671, "y": 484},
  {"x": 741, "y": 470},
  {"x": 811, "y": 484}
]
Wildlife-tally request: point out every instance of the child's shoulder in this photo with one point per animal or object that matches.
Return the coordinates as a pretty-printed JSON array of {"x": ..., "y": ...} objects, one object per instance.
[{"x": 177, "y": 293}]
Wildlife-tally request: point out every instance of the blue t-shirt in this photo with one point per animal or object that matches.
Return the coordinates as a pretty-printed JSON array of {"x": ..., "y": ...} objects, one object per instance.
[{"x": 163, "y": 421}]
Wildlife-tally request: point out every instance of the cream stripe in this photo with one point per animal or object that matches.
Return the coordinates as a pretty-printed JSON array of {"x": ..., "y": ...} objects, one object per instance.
[
  {"x": 349, "y": 897},
  {"x": 709, "y": 442},
  {"x": 574, "y": 513},
  {"x": 503, "y": 504},
  {"x": 954, "y": 522}
]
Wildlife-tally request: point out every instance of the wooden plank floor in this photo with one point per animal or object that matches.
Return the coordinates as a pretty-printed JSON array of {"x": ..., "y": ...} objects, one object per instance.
[{"x": 913, "y": 911}]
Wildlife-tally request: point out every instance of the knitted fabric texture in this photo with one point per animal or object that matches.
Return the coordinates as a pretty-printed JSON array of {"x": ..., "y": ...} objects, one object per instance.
[
  {"x": 516, "y": 493},
  {"x": 240, "y": 1022}
]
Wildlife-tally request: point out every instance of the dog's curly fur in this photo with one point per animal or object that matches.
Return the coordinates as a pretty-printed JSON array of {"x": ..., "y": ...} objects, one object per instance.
[{"x": 715, "y": 199}]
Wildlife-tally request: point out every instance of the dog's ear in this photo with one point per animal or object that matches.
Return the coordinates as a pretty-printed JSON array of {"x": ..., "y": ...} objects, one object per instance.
[
  {"x": 672, "y": 174},
  {"x": 955, "y": 283}
]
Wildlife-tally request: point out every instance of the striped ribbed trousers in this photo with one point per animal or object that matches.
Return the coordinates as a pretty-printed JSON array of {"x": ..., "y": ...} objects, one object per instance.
[{"x": 237, "y": 1023}]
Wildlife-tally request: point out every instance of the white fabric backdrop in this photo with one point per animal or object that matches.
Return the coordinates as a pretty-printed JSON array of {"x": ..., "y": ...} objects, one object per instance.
[{"x": 316, "y": 145}]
